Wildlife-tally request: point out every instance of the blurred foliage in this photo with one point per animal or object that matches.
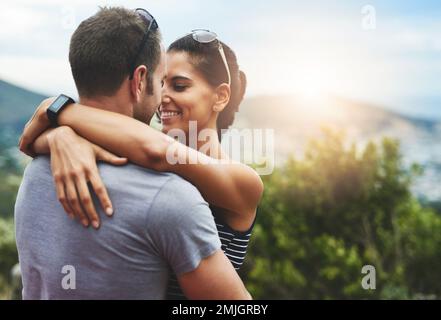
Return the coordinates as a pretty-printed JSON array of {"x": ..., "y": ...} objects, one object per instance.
[
  {"x": 324, "y": 217},
  {"x": 10, "y": 177},
  {"x": 8, "y": 256},
  {"x": 321, "y": 219},
  {"x": 9, "y": 184}
]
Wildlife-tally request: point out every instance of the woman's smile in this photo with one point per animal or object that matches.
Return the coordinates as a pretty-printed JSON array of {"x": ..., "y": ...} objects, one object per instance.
[{"x": 168, "y": 116}]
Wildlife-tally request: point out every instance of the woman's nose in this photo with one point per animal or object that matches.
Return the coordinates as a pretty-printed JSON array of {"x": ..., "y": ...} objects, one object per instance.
[{"x": 165, "y": 98}]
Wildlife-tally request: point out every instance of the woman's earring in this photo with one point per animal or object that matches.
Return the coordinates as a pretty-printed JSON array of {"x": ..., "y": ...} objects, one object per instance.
[{"x": 217, "y": 108}]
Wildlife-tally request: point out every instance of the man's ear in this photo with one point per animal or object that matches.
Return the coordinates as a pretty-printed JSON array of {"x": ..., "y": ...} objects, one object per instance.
[
  {"x": 139, "y": 82},
  {"x": 222, "y": 97}
]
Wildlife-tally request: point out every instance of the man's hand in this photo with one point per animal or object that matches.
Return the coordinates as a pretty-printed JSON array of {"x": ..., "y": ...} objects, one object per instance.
[
  {"x": 73, "y": 163},
  {"x": 34, "y": 127}
]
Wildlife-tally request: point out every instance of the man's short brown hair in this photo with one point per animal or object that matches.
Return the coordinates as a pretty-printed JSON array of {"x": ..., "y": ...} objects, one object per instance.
[{"x": 103, "y": 47}]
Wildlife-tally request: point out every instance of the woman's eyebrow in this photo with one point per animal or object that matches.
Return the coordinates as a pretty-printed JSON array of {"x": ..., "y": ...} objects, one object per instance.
[{"x": 180, "y": 78}]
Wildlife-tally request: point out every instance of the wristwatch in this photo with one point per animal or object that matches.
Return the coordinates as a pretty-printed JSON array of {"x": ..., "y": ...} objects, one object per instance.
[{"x": 56, "y": 107}]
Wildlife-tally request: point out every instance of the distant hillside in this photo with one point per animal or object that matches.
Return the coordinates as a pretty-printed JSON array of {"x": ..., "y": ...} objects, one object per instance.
[
  {"x": 297, "y": 120},
  {"x": 16, "y": 104}
]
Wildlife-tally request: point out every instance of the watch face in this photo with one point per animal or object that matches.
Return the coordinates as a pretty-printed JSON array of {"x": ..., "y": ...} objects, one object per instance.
[{"x": 58, "y": 103}]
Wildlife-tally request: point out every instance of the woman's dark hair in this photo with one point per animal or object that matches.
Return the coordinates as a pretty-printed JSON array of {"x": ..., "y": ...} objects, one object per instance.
[{"x": 205, "y": 58}]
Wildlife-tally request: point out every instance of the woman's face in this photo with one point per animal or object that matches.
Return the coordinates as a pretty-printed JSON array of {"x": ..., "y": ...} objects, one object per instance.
[{"x": 187, "y": 96}]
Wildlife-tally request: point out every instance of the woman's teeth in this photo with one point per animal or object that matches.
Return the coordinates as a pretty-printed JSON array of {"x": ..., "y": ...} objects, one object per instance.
[{"x": 169, "y": 114}]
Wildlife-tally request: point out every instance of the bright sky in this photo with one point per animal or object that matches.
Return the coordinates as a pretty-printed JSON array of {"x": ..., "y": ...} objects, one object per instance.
[{"x": 389, "y": 54}]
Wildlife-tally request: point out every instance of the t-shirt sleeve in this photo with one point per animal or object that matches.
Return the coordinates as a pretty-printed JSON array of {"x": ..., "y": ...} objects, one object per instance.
[{"x": 181, "y": 226}]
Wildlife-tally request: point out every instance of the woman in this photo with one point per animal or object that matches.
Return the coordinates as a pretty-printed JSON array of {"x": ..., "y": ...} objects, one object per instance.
[{"x": 200, "y": 67}]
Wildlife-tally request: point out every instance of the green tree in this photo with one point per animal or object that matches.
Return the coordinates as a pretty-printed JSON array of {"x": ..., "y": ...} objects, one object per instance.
[{"x": 324, "y": 217}]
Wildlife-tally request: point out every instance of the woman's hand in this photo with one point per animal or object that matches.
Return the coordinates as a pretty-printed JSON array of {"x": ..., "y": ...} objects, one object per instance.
[
  {"x": 73, "y": 163},
  {"x": 38, "y": 123}
]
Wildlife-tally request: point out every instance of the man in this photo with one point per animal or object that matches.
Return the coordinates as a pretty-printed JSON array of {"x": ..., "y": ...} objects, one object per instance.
[{"x": 162, "y": 221}]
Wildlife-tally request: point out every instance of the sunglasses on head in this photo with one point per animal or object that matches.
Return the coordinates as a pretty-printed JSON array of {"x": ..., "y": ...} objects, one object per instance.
[
  {"x": 151, "y": 25},
  {"x": 206, "y": 36}
]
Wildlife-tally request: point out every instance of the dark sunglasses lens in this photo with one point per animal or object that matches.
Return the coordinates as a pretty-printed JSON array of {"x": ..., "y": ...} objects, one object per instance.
[
  {"x": 147, "y": 17},
  {"x": 204, "y": 36}
]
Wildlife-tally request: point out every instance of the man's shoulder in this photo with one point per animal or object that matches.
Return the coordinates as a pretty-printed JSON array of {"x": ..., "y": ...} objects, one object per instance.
[
  {"x": 42, "y": 162},
  {"x": 131, "y": 171},
  {"x": 177, "y": 199},
  {"x": 182, "y": 191},
  {"x": 38, "y": 168},
  {"x": 164, "y": 181}
]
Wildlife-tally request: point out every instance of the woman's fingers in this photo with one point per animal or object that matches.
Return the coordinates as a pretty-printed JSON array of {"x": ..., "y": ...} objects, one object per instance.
[
  {"x": 74, "y": 202},
  {"x": 61, "y": 194},
  {"x": 101, "y": 192},
  {"x": 86, "y": 201},
  {"x": 106, "y": 156},
  {"x": 77, "y": 201}
]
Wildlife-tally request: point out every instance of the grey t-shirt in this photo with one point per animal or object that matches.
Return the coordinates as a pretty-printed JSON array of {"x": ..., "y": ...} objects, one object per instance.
[{"x": 160, "y": 224}]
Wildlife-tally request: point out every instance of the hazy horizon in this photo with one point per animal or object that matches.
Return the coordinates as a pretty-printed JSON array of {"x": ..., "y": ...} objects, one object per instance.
[{"x": 429, "y": 113}]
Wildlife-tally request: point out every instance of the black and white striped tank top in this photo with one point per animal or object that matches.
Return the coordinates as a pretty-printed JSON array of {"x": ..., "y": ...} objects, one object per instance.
[{"x": 234, "y": 245}]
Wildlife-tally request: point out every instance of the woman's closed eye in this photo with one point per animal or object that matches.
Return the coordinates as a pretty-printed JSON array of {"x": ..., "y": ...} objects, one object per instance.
[{"x": 179, "y": 87}]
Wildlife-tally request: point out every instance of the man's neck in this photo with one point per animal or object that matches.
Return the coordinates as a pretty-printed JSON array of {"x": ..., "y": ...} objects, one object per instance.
[{"x": 117, "y": 103}]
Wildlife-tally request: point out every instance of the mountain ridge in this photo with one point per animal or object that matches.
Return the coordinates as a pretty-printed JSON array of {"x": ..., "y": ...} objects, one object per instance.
[{"x": 17, "y": 104}]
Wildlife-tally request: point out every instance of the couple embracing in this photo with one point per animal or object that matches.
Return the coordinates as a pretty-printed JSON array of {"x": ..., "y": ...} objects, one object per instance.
[{"x": 143, "y": 228}]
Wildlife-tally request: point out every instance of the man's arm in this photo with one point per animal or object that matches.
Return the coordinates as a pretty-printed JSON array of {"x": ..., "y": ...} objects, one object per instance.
[
  {"x": 183, "y": 232},
  {"x": 214, "y": 279}
]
